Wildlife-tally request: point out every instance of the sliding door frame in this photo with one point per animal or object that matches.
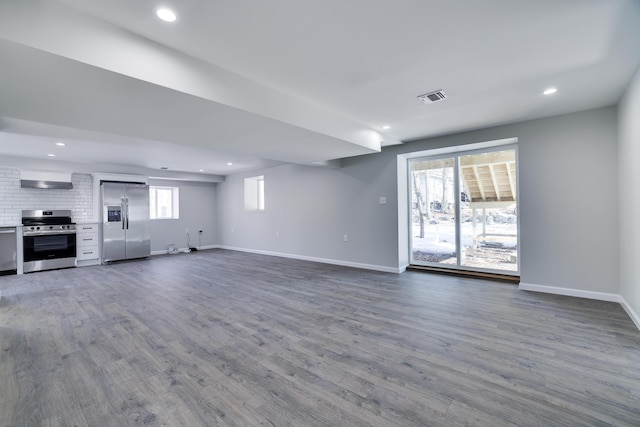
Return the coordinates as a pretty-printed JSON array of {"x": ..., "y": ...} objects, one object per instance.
[{"x": 456, "y": 153}]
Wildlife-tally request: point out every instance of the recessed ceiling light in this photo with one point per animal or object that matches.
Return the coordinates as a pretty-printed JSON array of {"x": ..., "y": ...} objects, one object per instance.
[
  {"x": 200, "y": 170},
  {"x": 385, "y": 127},
  {"x": 60, "y": 144},
  {"x": 51, "y": 155},
  {"x": 550, "y": 91},
  {"x": 167, "y": 15},
  {"x": 229, "y": 164}
]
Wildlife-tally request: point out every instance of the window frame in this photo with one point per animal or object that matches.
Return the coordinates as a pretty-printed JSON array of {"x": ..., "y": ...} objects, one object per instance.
[
  {"x": 154, "y": 208},
  {"x": 254, "y": 193},
  {"x": 456, "y": 153}
]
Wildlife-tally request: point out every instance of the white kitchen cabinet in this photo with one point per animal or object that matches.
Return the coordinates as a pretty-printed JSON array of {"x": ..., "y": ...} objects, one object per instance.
[{"x": 87, "y": 244}]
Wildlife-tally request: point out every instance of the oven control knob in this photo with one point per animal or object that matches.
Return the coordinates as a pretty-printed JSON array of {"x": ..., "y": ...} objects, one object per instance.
[
  {"x": 33, "y": 228},
  {"x": 37, "y": 228}
]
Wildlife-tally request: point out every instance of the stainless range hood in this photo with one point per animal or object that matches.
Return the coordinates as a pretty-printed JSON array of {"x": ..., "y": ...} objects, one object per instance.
[{"x": 47, "y": 180}]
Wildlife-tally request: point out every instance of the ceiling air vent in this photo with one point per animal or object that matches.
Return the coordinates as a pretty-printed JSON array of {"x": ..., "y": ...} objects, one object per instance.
[{"x": 431, "y": 97}]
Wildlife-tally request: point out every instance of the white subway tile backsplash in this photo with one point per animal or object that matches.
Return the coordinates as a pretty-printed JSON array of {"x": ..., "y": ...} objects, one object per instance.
[{"x": 14, "y": 199}]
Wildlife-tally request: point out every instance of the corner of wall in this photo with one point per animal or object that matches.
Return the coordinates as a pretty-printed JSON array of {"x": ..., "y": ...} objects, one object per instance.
[
  {"x": 628, "y": 205},
  {"x": 601, "y": 296},
  {"x": 635, "y": 317}
]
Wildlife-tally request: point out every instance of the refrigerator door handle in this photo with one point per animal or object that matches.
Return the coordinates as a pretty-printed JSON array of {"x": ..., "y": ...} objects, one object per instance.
[
  {"x": 126, "y": 200},
  {"x": 123, "y": 210}
]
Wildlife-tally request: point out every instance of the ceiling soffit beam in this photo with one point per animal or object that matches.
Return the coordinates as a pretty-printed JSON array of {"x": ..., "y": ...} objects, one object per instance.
[
  {"x": 25, "y": 163},
  {"x": 64, "y": 31}
]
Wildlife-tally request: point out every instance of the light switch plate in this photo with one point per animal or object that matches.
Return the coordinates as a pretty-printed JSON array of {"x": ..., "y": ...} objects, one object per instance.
[{"x": 383, "y": 200}]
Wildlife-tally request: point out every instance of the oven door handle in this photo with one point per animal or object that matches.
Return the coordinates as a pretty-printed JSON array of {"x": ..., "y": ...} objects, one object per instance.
[
  {"x": 48, "y": 233},
  {"x": 9, "y": 231}
]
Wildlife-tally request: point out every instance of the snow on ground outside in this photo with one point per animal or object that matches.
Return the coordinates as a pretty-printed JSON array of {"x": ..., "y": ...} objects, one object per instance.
[
  {"x": 440, "y": 238},
  {"x": 438, "y": 246}
]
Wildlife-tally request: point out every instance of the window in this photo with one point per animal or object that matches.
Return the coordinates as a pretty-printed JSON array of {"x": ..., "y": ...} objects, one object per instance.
[
  {"x": 163, "y": 202},
  {"x": 254, "y": 193}
]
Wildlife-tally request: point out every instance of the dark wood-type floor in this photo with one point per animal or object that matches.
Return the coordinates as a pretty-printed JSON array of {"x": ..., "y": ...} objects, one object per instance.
[{"x": 226, "y": 338}]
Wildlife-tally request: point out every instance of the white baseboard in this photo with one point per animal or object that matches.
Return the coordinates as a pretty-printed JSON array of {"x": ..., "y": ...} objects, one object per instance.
[
  {"x": 184, "y": 250},
  {"x": 602, "y": 296},
  {"x": 205, "y": 247},
  {"x": 632, "y": 314},
  {"x": 165, "y": 251},
  {"x": 315, "y": 259}
]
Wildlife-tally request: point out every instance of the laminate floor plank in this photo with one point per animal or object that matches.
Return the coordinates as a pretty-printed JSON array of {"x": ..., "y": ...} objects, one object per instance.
[
  {"x": 363, "y": 394},
  {"x": 8, "y": 413},
  {"x": 223, "y": 338}
]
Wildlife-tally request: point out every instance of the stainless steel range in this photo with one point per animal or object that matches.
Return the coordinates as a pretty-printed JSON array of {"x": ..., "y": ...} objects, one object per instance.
[{"x": 49, "y": 240}]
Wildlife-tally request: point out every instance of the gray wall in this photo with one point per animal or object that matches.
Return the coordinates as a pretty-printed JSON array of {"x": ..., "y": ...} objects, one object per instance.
[
  {"x": 568, "y": 202},
  {"x": 197, "y": 212},
  {"x": 629, "y": 155},
  {"x": 313, "y": 207},
  {"x": 568, "y": 197}
]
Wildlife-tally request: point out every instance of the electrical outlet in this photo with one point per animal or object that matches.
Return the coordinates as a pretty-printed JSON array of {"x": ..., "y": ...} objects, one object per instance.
[
  {"x": 345, "y": 237},
  {"x": 187, "y": 231},
  {"x": 277, "y": 233}
]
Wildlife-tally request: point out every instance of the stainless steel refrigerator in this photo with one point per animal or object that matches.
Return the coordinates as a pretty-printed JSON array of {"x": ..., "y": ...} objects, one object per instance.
[{"x": 125, "y": 221}]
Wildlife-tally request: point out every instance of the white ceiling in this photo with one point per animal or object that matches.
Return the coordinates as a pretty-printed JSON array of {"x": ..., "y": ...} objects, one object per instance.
[{"x": 258, "y": 83}]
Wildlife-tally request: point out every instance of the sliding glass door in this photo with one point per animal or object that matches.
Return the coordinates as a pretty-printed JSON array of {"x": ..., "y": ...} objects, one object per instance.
[
  {"x": 464, "y": 211},
  {"x": 433, "y": 211}
]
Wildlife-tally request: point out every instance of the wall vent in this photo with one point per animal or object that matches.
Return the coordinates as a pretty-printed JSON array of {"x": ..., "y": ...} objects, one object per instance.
[{"x": 431, "y": 97}]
